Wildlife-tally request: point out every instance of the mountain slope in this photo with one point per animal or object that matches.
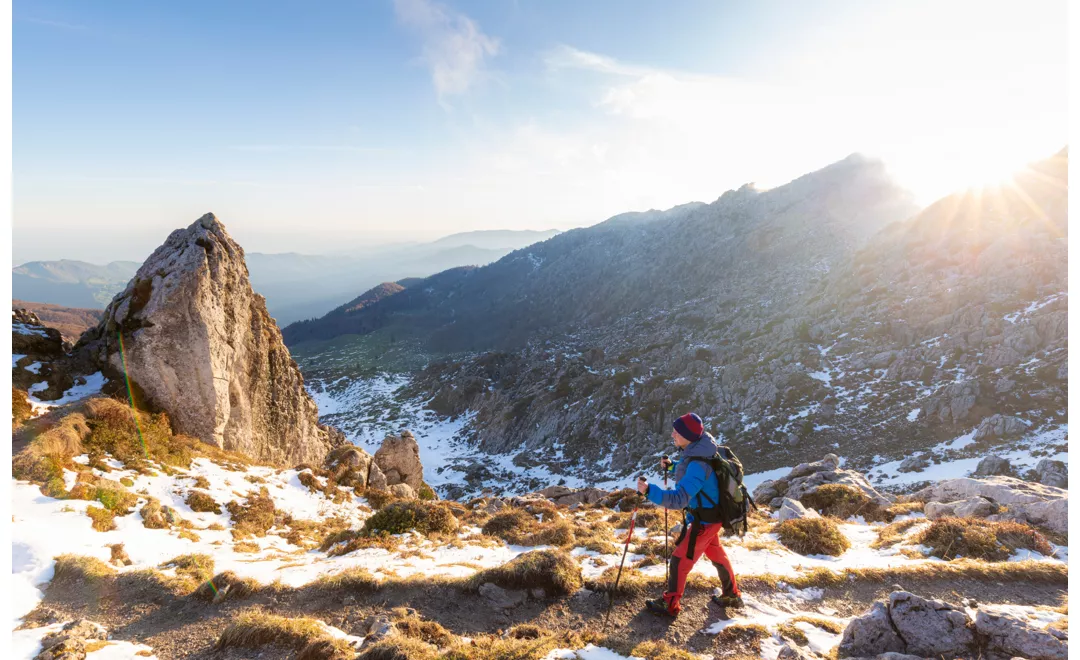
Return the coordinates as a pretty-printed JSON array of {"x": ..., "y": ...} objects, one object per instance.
[
  {"x": 746, "y": 244},
  {"x": 340, "y": 320},
  {"x": 811, "y": 326},
  {"x": 70, "y": 321},
  {"x": 70, "y": 283}
]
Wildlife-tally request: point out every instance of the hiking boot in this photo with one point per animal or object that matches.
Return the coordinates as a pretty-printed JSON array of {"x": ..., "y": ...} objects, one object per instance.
[
  {"x": 734, "y": 602},
  {"x": 658, "y": 606}
]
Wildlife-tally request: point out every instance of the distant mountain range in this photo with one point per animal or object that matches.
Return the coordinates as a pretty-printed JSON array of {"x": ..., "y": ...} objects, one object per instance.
[
  {"x": 296, "y": 286},
  {"x": 826, "y": 315}
]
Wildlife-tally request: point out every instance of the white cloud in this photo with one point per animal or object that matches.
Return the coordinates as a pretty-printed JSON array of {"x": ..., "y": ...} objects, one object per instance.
[{"x": 454, "y": 47}]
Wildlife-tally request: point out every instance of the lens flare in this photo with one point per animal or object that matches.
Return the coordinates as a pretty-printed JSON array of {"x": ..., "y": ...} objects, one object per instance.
[{"x": 131, "y": 396}]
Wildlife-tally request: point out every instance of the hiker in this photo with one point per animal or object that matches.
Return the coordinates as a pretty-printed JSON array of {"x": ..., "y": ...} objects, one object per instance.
[{"x": 697, "y": 488}]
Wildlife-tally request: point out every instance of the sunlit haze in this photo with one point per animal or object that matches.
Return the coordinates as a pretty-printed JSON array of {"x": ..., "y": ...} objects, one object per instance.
[{"x": 321, "y": 127}]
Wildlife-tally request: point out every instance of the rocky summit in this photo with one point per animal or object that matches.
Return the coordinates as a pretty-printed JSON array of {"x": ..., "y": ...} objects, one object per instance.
[{"x": 196, "y": 341}]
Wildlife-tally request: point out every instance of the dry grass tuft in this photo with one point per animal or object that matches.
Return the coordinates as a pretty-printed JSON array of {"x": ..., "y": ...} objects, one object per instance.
[
  {"x": 198, "y": 567},
  {"x": 226, "y": 586},
  {"x": 202, "y": 502},
  {"x": 812, "y": 536},
  {"x": 829, "y": 625},
  {"x": 632, "y": 583},
  {"x": 661, "y": 650},
  {"x": 103, "y": 519},
  {"x": 893, "y": 533},
  {"x": 254, "y": 629},
  {"x": 378, "y": 499},
  {"x": 949, "y": 538},
  {"x": 842, "y": 501},
  {"x": 21, "y": 410},
  {"x": 80, "y": 568},
  {"x": 553, "y": 570},
  {"x": 410, "y": 625},
  {"x": 399, "y": 648},
  {"x": 351, "y": 579},
  {"x": 424, "y": 517},
  {"x": 255, "y": 517}
]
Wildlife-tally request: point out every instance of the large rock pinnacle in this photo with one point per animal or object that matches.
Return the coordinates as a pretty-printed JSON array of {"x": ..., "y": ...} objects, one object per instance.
[{"x": 199, "y": 344}]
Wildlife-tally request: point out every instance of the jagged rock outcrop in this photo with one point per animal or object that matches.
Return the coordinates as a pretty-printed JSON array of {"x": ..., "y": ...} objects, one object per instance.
[
  {"x": 1024, "y": 501},
  {"x": 39, "y": 357},
  {"x": 352, "y": 466},
  {"x": 1012, "y": 636},
  {"x": 912, "y": 625},
  {"x": 805, "y": 478},
  {"x": 564, "y": 496},
  {"x": 975, "y": 507},
  {"x": 399, "y": 460},
  {"x": 791, "y": 509},
  {"x": 70, "y": 641},
  {"x": 999, "y": 426},
  {"x": 1051, "y": 473},
  {"x": 993, "y": 466},
  {"x": 197, "y": 342}
]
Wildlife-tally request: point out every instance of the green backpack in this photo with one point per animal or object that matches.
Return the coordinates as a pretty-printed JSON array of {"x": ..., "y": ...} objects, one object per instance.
[{"x": 734, "y": 506}]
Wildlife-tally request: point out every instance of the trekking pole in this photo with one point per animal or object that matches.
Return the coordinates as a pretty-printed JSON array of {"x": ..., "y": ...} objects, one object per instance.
[
  {"x": 611, "y": 594},
  {"x": 667, "y": 557}
]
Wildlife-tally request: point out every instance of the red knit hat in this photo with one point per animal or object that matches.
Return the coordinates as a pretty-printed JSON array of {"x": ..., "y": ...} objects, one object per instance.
[{"x": 689, "y": 426}]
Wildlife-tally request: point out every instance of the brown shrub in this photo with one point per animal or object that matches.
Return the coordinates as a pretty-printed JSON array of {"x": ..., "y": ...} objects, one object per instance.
[
  {"x": 949, "y": 538},
  {"x": 812, "y": 536},
  {"x": 661, "y": 650}
]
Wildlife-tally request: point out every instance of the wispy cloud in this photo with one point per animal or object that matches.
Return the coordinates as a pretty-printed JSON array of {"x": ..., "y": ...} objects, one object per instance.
[
  {"x": 568, "y": 57},
  {"x": 60, "y": 25},
  {"x": 454, "y": 47}
]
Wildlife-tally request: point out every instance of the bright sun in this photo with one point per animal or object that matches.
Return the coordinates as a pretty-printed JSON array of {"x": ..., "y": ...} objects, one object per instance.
[{"x": 942, "y": 174}]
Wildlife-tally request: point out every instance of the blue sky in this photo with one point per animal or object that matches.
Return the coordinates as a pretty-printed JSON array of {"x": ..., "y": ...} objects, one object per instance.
[{"x": 318, "y": 126}]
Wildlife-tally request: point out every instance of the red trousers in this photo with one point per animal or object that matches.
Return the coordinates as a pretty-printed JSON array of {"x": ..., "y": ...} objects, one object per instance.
[{"x": 696, "y": 540}]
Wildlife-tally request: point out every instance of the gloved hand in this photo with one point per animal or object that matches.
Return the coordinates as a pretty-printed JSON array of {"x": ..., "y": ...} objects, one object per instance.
[{"x": 642, "y": 485}]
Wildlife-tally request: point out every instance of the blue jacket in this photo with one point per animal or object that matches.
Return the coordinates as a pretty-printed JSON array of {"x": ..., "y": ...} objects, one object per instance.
[{"x": 692, "y": 478}]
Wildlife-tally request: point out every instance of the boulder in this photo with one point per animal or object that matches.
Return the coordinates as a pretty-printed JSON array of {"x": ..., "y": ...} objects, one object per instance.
[
  {"x": 1011, "y": 635},
  {"x": 1000, "y": 426},
  {"x": 870, "y": 634},
  {"x": 376, "y": 479},
  {"x": 791, "y": 509},
  {"x": 69, "y": 643},
  {"x": 199, "y": 344},
  {"x": 974, "y": 507},
  {"x": 404, "y": 491},
  {"x": 1052, "y": 473},
  {"x": 805, "y": 478},
  {"x": 993, "y": 466},
  {"x": 930, "y": 628},
  {"x": 502, "y": 599},
  {"x": 351, "y": 464},
  {"x": 914, "y": 463},
  {"x": 794, "y": 652},
  {"x": 1024, "y": 501},
  {"x": 399, "y": 459},
  {"x": 570, "y": 496}
]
